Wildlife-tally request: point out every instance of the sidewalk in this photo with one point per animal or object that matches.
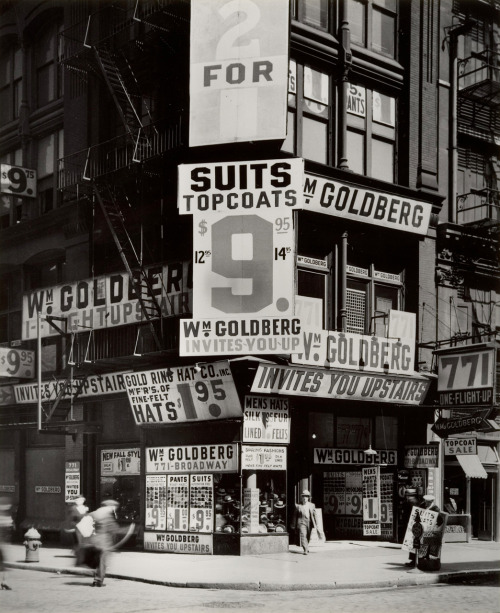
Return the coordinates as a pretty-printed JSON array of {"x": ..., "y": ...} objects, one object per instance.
[{"x": 341, "y": 565}]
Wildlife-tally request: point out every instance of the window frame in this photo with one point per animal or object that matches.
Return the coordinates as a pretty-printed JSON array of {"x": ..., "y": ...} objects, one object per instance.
[
  {"x": 371, "y": 6},
  {"x": 13, "y": 83},
  {"x": 14, "y": 216},
  {"x": 56, "y": 91},
  {"x": 49, "y": 181}
]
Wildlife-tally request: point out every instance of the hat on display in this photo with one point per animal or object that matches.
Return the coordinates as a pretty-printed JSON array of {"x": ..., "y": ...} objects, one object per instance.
[
  {"x": 279, "y": 504},
  {"x": 280, "y": 528},
  {"x": 429, "y": 498},
  {"x": 306, "y": 493},
  {"x": 263, "y": 517},
  {"x": 245, "y": 518},
  {"x": 221, "y": 491},
  {"x": 228, "y": 528},
  {"x": 411, "y": 491},
  {"x": 228, "y": 498},
  {"x": 236, "y": 504}
]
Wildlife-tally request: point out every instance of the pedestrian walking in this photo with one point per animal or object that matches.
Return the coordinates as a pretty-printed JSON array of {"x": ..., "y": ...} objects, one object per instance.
[
  {"x": 6, "y": 525},
  {"x": 103, "y": 539},
  {"x": 75, "y": 513},
  {"x": 305, "y": 520}
]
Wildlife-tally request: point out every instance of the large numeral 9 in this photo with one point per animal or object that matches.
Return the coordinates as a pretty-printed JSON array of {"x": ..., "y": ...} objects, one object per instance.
[
  {"x": 18, "y": 179},
  {"x": 356, "y": 505},
  {"x": 14, "y": 360},
  {"x": 255, "y": 263}
]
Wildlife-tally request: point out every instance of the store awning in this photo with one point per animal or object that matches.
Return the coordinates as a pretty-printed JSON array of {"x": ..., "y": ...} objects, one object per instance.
[{"x": 472, "y": 466}]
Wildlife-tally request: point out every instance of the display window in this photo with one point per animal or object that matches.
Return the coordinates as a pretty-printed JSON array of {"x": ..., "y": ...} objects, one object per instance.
[{"x": 120, "y": 472}]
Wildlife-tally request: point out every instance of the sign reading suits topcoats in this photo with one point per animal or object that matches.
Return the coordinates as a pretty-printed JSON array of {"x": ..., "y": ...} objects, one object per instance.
[
  {"x": 238, "y": 71},
  {"x": 181, "y": 394},
  {"x": 339, "y": 384}
]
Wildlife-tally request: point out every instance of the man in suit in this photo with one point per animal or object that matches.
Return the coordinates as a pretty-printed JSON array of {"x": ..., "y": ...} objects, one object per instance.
[
  {"x": 304, "y": 520},
  {"x": 106, "y": 527}
]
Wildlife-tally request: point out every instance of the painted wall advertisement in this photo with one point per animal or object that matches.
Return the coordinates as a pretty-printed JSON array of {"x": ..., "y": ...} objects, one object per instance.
[
  {"x": 181, "y": 394},
  {"x": 119, "y": 462},
  {"x": 238, "y": 71},
  {"x": 192, "y": 458},
  {"x": 72, "y": 477},
  {"x": 173, "y": 542},
  {"x": 266, "y": 419},
  {"x": 243, "y": 257},
  {"x": 105, "y": 301},
  {"x": 260, "y": 457},
  {"x": 339, "y": 384}
]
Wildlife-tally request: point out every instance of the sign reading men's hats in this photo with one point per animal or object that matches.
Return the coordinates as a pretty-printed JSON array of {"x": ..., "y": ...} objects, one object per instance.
[
  {"x": 243, "y": 256},
  {"x": 238, "y": 71}
]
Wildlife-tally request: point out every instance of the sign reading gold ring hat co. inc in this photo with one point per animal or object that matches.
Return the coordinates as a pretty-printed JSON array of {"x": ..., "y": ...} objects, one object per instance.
[
  {"x": 183, "y": 394},
  {"x": 243, "y": 256},
  {"x": 371, "y": 206}
]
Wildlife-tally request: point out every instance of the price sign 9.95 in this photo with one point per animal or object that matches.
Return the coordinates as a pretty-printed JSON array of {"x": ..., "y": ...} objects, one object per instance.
[
  {"x": 17, "y": 363},
  {"x": 17, "y": 181}
]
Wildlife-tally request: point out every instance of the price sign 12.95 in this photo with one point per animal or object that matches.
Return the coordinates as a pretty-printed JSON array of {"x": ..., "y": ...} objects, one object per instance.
[
  {"x": 17, "y": 181},
  {"x": 243, "y": 264}
]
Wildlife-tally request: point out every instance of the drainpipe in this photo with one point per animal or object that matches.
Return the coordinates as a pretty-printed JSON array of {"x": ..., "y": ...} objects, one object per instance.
[
  {"x": 343, "y": 284},
  {"x": 345, "y": 66}
]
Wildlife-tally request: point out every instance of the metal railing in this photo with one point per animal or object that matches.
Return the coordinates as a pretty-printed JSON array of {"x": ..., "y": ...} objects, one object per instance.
[
  {"x": 479, "y": 68},
  {"x": 480, "y": 205}
]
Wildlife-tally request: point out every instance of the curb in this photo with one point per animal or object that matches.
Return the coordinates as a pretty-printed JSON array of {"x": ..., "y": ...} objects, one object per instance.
[{"x": 422, "y": 578}]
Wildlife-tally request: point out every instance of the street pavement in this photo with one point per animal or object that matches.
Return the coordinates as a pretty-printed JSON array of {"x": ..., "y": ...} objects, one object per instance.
[{"x": 330, "y": 565}]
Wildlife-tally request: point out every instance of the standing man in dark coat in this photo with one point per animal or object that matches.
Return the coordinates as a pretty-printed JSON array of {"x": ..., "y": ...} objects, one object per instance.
[{"x": 106, "y": 527}]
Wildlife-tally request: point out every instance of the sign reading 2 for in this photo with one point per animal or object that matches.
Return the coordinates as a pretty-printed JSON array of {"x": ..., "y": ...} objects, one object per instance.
[{"x": 239, "y": 70}]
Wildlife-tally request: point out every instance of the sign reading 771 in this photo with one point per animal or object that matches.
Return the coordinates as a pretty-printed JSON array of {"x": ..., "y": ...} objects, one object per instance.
[{"x": 466, "y": 370}]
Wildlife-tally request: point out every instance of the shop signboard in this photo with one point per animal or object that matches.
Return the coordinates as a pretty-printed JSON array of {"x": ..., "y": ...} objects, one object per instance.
[
  {"x": 72, "y": 481},
  {"x": 156, "y": 502},
  {"x": 349, "y": 201},
  {"x": 106, "y": 301},
  {"x": 340, "y": 384},
  {"x": 178, "y": 502},
  {"x": 260, "y": 457},
  {"x": 238, "y": 71},
  {"x": 111, "y": 383},
  {"x": 433, "y": 524},
  {"x": 476, "y": 421},
  {"x": 422, "y": 456},
  {"x": 460, "y": 446},
  {"x": 328, "y": 455},
  {"x": 266, "y": 419},
  {"x": 47, "y": 489},
  {"x": 183, "y": 394},
  {"x": 192, "y": 458},
  {"x": 17, "y": 363},
  {"x": 174, "y": 542},
  {"x": 343, "y": 493},
  {"x": 17, "y": 181},
  {"x": 119, "y": 462},
  {"x": 201, "y": 503},
  {"x": 466, "y": 377},
  {"x": 371, "y": 500},
  {"x": 345, "y": 350}
]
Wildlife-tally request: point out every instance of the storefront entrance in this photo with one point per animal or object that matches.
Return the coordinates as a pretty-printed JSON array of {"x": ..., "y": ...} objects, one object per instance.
[{"x": 482, "y": 507}]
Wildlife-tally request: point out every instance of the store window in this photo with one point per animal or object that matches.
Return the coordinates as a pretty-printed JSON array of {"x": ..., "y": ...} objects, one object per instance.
[
  {"x": 373, "y": 25},
  {"x": 312, "y": 288},
  {"x": 50, "y": 149},
  {"x": 312, "y": 12},
  {"x": 48, "y": 73},
  {"x": 11, "y": 72},
  {"x": 371, "y": 133},
  {"x": 370, "y": 295},
  {"x": 120, "y": 474},
  {"x": 309, "y": 113},
  {"x": 11, "y": 207}
]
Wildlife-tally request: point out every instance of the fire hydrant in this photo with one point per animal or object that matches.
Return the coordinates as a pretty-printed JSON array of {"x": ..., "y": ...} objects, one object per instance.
[{"x": 32, "y": 544}]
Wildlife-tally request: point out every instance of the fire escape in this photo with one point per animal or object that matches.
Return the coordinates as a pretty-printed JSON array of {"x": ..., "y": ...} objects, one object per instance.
[{"x": 120, "y": 50}]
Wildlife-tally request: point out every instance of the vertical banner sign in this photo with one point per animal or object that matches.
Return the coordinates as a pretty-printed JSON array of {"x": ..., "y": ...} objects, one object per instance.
[
  {"x": 177, "y": 502},
  {"x": 201, "y": 503},
  {"x": 371, "y": 500},
  {"x": 238, "y": 71},
  {"x": 72, "y": 481},
  {"x": 156, "y": 502},
  {"x": 250, "y": 517},
  {"x": 243, "y": 259}
]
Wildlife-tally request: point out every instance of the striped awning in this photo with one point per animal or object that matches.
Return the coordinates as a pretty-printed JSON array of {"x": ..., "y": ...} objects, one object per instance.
[{"x": 472, "y": 466}]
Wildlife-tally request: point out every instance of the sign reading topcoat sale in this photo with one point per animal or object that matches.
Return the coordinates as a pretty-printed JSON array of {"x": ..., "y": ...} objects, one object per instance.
[
  {"x": 238, "y": 70},
  {"x": 181, "y": 394}
]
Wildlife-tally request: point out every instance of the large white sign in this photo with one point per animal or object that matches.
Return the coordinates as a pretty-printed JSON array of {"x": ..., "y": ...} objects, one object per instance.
[
  {"x": 17, "y": 181},
  {"x": 365, "y": 205},
  {"x": 184, "y": 393},
  {"x": 173, "y": 542},
  {"x": 259, "y": 457},
  {"x": 120, "y": 462},
  {"x": 460, "y": 446},
  {"x": 106, "y": 301},
  {"x": 17, "y": 363},
  {"x": 339, "y": 384},
  {"x": 240, "y": 336},
  {"x": 266, "y": 419},
  {"x": 356, "y": 352},
  {"x": 327, "y": 455},
  {"x": 238, "y": 71},
  {"x": 192, "y": 458}
]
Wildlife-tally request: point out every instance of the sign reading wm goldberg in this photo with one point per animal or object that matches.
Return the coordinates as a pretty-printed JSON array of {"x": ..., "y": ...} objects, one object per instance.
[
  {"x": 366, "y": 205},
  {"x": 192, "y": 458},
  {"x": 339, "y": 384}
]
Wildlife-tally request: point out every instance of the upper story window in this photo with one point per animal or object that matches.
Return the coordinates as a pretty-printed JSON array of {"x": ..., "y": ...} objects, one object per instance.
[
  {"x": 50, "y": 149},
  {"x": 48, "y": 73},
  {"x": 312, "y": 12},
  {"x": 373, "y": 25},
  {"x": 10, "y": 307},
  {"x": 371, "y": 133},
  {"x": 11, "y": 208},
  {"x": 11, "y": 73},
  {"x": 309, "y": 113}
]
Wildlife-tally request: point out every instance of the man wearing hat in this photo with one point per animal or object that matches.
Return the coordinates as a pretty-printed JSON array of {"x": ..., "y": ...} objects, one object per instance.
[
  {"x": 105, "y": 526},
  {"x": 304, "y": 520}
]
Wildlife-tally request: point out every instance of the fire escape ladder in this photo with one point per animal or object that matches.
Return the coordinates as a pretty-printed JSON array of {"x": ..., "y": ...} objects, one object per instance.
[
  {"x": 120, "y": 91},
  {"x": 133, "y": 265}
]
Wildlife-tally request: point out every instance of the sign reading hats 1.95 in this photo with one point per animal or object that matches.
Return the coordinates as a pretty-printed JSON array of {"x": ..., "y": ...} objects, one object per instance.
[{"x": 17, "y": 181}]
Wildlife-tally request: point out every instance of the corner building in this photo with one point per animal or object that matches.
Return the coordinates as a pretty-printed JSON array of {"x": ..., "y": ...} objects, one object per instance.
[{"x": 219, "y": 246}]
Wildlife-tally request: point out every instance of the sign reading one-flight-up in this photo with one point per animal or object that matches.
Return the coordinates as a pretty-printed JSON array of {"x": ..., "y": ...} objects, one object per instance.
[{"x": 238, "y": 71}]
